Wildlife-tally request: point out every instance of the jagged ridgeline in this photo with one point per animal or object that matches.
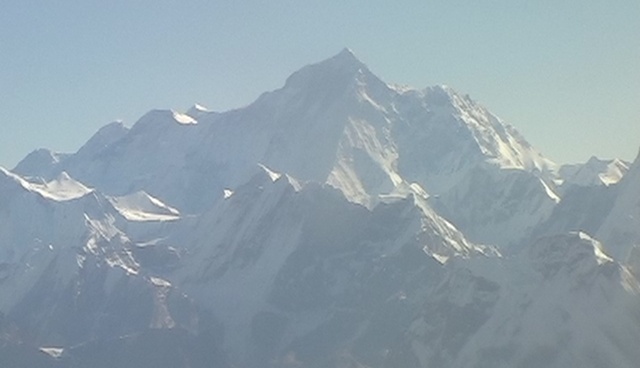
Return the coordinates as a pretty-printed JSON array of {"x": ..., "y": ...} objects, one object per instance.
[{"x": 339, "y": 221}]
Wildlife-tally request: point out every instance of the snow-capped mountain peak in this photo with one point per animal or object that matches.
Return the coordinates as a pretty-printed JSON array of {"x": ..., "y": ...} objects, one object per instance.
[
  {"x": 332, "y": 77},
  {"x": 62, "y": 188},
  {"x": 140, "y": 206},
  {"x": 196, "y": 111},
  {"x": 498, "y": 141},
  {"x": 594, "y": 172},
  {"x": 336, "y": 221},
  {"x": 158, "y": 120}
]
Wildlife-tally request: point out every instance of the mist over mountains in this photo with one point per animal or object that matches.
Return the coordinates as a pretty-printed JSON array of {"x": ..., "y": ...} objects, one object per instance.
[{"x": 339, "y": 221}]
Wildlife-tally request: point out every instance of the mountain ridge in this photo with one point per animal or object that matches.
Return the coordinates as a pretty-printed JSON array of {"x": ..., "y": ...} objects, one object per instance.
[{"x": 336, "y": 221}]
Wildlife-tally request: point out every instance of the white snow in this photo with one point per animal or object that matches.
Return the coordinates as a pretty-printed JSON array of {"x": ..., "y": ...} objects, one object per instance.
[
  {"x": 620, "y": 231},
  {"x": 184, "y": 118},
  {"x": 140, "y": 206},
  {"x": 272, "y": 174},
  {"x": 594, "y": 172},
  {"x": 227, "y": 193},
  {"x": 53, "y": 352},
  {"x": 63, "y": 188},
  {"x": 159, "y": 282},
  {"x": 196, "y": 111}
]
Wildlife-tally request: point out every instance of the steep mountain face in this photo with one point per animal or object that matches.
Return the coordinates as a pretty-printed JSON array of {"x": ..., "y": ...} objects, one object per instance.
[
  {"x": 67, "y": 272},
  {"x": 291, "y": 262},
  {"x": 561, "y": 302},
  {"x": 621, "y": 228},
  {"x": 582, "y": 208},
  {"x": 335, "y": 222},
  {"x": 497, "y": 206},
  {"x": 608, "y": 211}
]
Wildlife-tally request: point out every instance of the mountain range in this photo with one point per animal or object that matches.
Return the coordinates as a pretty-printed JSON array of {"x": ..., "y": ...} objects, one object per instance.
[{"x": 339, "y": 221}]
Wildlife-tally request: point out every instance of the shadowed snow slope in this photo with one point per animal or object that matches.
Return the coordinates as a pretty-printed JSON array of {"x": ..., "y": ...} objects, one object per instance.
[
  {"x": 621, "y": 228},
  {"x": 140, "y": 206},
  {"x": 557, "y": 304}
]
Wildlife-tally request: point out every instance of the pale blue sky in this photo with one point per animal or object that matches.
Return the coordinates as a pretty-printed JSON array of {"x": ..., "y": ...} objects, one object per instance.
[{"x": 565, "y": 73}]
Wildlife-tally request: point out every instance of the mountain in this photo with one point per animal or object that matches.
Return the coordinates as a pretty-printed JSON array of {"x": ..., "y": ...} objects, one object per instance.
[
  {"x": 605, "y": 209},
  {"x": 560, "y": 302},
  {"x": 291, "y": 261},
  {"x": 621, "y": 228},
  {"x": 333, "y": 122},
  {"x": 593, "y": 172},
  {"x": 338, "y": 221},
  {"x": 68, "y": 273}
]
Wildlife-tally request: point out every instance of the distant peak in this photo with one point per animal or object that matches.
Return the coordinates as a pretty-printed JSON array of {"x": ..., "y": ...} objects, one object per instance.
[
  {"x": 345, "y": 58},
  {"x": 196, "y": 111},
  {"x": 334, "y": 74},
  {"x": 347, "y": 53},
  {"x": 441, "y": 89},
  {"x": 344, "y": 63},
  {"x": 116, "y": 127},
  {"x": 593, "y": 160}
]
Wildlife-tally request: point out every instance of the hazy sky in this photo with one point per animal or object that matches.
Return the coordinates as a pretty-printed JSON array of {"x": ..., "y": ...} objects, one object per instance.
[{"x": 565, "y": 73}]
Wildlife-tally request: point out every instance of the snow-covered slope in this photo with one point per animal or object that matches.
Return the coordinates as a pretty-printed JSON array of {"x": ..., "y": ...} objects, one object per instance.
[
  {"x": 67, "y": 270},
  {"x": 621, "y": 228},
  {"x": 561, "y": 302},
  {"x": 608, "y": 212},
  {"x": 593, "y": 172},
  {"x": 140, "y": 206},
  {"x": 497, "y": 206},
  {"x": 298, "y": 255}
]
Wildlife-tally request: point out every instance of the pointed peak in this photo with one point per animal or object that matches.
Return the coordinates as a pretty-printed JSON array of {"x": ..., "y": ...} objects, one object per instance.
[
  {"x": 345, "y": 59},
  {"x": 341, "y": 66},
  {"x": 141, "y": 206},
  {"x": 197, "y": 110},
  {"x": 442, "y": 91},
  {"x": 38, "y": 162},
  {"x": 63, "y": 188},
  {"x": 347, "y": 54},
  {"x": 161, "y": 119},
  {"x": 593, "y": 160},
  {"x": 115, "y": 128},
  {"x": 104, "y": 137},
  {"x": 334, "y": 76}
]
